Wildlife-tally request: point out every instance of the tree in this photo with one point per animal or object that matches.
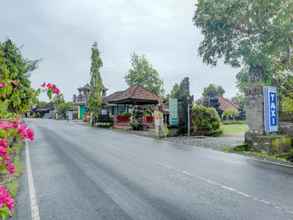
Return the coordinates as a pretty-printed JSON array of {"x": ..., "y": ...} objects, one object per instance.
[
  {"x": 182, "y": 90},
  {"x": 16, "y": 91},
  {"x": 211, "y": 96},
  {"x": 96, "y": 84},
  {"x": 254, "y": 35},
  {"x": 175, "y": 91},
  {"x": 142, "y": 73},
  {"x": 213, "y": 91}
]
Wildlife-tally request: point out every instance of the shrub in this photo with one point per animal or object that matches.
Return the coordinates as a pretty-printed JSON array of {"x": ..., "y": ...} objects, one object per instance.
[
  {"x": 205, "y": 121},
  {"x": 230, "y": 113},
  {"x": 126, "y": 114}
]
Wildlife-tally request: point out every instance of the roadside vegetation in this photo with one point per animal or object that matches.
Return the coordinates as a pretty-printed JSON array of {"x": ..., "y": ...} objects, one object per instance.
[
  {"x": 250, "y": 151},
  {"x": 205, "y": 121},
  {"x": 16, "y": 98}
]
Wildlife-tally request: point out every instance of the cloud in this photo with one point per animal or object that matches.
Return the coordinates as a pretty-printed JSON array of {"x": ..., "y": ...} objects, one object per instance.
[{"x": 62, "y": 32}]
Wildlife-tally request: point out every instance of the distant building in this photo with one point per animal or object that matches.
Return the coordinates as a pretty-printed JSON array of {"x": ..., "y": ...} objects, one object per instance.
[
  {"x": 81, "y": 100},
  {"x": 226, "y": 104}
]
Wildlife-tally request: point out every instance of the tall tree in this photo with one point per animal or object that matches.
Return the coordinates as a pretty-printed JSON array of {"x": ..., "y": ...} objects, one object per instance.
[
  {"x": 96, "y": 84},
  {"x": 253, "y": 35},
  {"x": 175, "y": 91},
  {"x": 16, "y": 93},
  {"x": 213, "y": 91},
  {"x": 142, "y": 73}
]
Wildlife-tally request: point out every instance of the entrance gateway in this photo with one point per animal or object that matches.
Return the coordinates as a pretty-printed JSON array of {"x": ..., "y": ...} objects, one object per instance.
[{"x": 262, "y": 116}]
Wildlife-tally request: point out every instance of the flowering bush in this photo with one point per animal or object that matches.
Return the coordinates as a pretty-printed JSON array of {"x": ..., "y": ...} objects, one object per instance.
[
  {"x": 11, "y": 132},
  {"x": 16, "y": 98},
  {"x": 6, "y": 203},
  {"x": 51, "y": 89}
]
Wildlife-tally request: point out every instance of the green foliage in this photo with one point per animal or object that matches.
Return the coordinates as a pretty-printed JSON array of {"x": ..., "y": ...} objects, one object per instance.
[
  {"x": 230, "y": 113},
  {"x": 63, "y": 108},
  {"x": 205, "y": 121},
  {"x": 213, "y": 91},
  {"x": 127, "y": 114},
  {"x": 254, "y": 35},
  {"x": 136, "y": 122},
  {"x": 181, "y": 91},
  {"x": 175, "y": 92},
  {"x": 239, "y": 100},
  {"x": 142, "y": 73},
  {"x": 14, "y": 73},
  {"x": 4, "y": 213},
  {"x": 96, "y": 84},
  {"x": 287, "y": 104},
  {"x": 241, "y": 148}
]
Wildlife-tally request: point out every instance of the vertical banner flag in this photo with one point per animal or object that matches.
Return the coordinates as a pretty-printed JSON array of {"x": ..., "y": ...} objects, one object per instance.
[
  {"x": 173, "y": 109},
  {"x": 271, "y": 118}
]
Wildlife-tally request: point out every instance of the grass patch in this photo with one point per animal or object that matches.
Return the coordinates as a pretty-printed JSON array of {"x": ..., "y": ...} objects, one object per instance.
[
  {"x": 249, "y": 151},
  {"x": 13, "y": 187},
  {"x": 234, "y": 129}
]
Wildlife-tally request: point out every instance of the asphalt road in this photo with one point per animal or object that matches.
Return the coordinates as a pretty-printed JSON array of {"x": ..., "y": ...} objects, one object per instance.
[{"x": 88, "y": 173}]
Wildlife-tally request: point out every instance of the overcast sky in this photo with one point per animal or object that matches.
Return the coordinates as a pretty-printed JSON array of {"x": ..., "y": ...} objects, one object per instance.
[{"x": 61, "y": 33}]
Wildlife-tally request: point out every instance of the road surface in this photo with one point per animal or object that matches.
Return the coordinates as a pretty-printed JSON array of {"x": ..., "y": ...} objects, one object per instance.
[{"x": 88, "y": 173}]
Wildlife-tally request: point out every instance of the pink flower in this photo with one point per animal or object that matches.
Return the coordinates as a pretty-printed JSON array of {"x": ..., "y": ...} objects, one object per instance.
[
  {"x": 43, "y": 85},
  {"x": 56, "y": 91},
  {"x": 6, "y": 199},
  {"x": 49, "y": 86},
  {"x": 2, "y": 85},
  {"x": 30, "y": 134},
  {"x": 10, "y": 167},
  {"x": 3, "y": 143},
  {"x": 3, "y": 151},
  {"x": 21, "y": 129},
  {"x": 6, "y": 125}
]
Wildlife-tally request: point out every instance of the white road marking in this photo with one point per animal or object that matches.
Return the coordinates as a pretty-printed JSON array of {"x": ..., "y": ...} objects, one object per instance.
[
  {"x": 227, "y": 188},
  {"x": 32, "y": 192}
]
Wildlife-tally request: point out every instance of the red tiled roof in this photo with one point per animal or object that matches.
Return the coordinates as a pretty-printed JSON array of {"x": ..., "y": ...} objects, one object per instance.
[
  {"x": 132, "y": 93},
  {"x": 226, "y": 104}
]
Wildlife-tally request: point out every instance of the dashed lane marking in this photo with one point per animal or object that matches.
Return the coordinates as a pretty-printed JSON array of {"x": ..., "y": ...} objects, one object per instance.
[{"x": 227, "y": 188}]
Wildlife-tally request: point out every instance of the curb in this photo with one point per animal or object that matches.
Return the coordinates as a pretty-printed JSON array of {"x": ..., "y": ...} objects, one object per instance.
[{"x": 280, "y": 164}]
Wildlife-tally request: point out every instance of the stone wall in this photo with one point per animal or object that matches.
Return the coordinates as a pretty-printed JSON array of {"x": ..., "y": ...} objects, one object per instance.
[{"x": 254, "y": 110}]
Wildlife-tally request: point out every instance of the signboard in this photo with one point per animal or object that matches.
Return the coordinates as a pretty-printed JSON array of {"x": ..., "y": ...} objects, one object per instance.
[
  {"x": 173, "y": 109},
  {"x": 271, "y": 118},
  {"x": 159, "y": 123}
]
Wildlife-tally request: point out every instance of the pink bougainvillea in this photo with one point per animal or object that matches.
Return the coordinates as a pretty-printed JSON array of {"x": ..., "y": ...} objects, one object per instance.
[
  {"x": 51, "y": 87},
  {"x": 23, "y": 130},
  {"x": 6, "y": 201},
  {"x": 6, "y": 124},
  {"x": 2, "y": 85}
]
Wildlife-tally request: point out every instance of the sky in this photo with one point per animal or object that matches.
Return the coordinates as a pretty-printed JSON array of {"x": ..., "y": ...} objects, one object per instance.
[{"x": 61, "y": 33}]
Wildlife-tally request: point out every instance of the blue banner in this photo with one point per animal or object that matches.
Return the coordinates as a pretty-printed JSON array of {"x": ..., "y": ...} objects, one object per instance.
[{"x": 271, "y": 118}]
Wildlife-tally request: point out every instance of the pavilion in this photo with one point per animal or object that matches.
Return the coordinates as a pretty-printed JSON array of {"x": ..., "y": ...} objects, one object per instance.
[{"x": 118, "y": 104}]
